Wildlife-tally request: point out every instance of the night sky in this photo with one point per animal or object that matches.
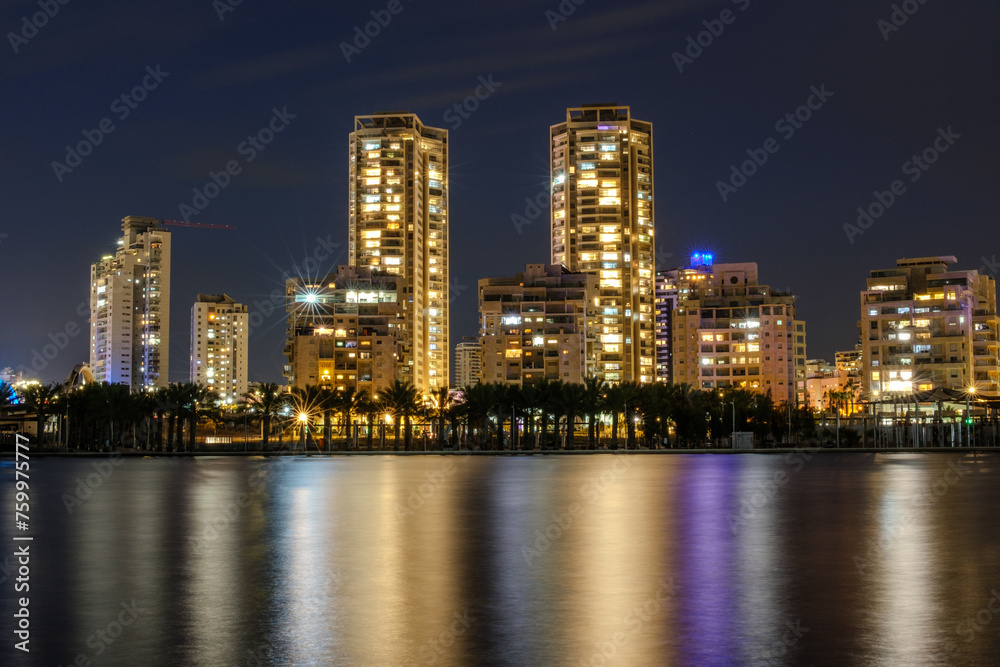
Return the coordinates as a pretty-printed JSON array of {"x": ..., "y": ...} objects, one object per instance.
[{"x": 219, "y": 82}]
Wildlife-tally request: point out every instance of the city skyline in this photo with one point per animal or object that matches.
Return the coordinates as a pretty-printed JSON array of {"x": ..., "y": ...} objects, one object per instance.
[{"x": 248, "y": 132}]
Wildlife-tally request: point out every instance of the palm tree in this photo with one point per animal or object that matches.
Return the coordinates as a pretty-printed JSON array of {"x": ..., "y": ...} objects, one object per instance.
[
  {"x": 7, "y": 395},
  {"x": 350, "y": 401},
  {"x": 370, "y": 408},
  {"x": 548, "y": 391},
  {"x": 593, "y": 400},
  {"x": 442, "y": 406},
  {"x": 614, "y": 402},
  {"x": 306, "y": 403},
  {"x": 476, "y": 408},
  {"x": 111, "y": 405},
  {"x": 40, "y": 400},
  {"x": 530, "y": 401},
  {"x": 402, "y": 400},
  {"x": 268, "y": 400},
  {"x": 202, "y": 403},
  {"x": 328, "y": 403},
  {"x": 572, "y": 401},
  {"x": 174, "y": 399},
  {"x": 630, "y": 406}
]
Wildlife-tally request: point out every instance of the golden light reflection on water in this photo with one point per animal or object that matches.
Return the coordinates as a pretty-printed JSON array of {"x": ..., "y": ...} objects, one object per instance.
[{"x": 687, "y": 560}]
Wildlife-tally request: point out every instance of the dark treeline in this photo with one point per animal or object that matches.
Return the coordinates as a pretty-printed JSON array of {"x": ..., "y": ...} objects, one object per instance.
[{"x": 544, "y": 415}]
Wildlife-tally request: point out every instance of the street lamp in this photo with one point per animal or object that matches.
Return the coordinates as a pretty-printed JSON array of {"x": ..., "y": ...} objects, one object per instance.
[
  {"x": 303, "y": 421},
  {"x": 968, "y": 415}
]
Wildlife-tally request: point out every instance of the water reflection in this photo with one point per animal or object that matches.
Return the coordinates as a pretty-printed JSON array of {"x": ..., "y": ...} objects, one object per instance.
[{"x": 689, "y": 560}]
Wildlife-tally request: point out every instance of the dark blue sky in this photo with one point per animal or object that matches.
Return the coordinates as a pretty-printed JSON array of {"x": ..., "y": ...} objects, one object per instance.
[{"x": 224, "y": 78}]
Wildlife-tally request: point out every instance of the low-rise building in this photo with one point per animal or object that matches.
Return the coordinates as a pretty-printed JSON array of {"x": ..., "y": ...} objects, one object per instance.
[
  {"x": 927, "y": 326},
  {"x": 731, "y": 331},
  {"x": 468, "y": 363},
  {"x": 343, "y": 331},
  {"x": 541, "y": 323}
]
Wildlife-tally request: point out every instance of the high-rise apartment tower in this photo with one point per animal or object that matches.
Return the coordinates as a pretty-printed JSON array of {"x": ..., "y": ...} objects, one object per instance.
[
  {"x": 219, "y": 340},
  {"x": 602, "y": 224},
  {"x": 130, "y": 308},
  {"x": 399, "y": 224}
]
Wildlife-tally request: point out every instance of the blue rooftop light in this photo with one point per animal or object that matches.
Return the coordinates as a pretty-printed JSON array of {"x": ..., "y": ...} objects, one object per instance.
[{"x": 699, "y": 259}]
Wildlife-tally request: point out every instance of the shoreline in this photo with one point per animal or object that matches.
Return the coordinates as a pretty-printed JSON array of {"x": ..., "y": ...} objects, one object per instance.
[{"x": 582, "y": 452}]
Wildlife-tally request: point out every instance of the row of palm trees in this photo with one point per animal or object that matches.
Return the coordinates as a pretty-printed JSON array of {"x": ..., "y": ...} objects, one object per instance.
[
  {"x": 549, "y": 414},
  {"x": 844, "y": 399},
  {"x": 544, "y": 415},
  {"x": 97, "y": 416}
]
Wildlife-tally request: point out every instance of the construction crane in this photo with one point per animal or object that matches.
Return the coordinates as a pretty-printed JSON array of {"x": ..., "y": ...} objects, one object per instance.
[{"x": 178, "y": 223}]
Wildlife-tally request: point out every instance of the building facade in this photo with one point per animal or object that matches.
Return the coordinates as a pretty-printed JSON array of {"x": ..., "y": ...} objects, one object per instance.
[
  {"x": 925, "y": 326},
  {"x": 539, "y": 324},
  {"x": 666, "y": 303},
  {"x": 602, "y": 224},
  {"x": 130, "y": 308},
  {"x": 468, "y": 364},
  {"x": 343, "y": 331},
  {"x": 850, "y": 363},
  {"x": 731, "y": 331},
  {"x": 219, "y": 346},
  {"x": 399, "y": 225}
]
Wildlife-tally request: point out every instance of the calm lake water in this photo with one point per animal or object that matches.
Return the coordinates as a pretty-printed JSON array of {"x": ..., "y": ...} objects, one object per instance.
[{"x": 842, "y": 559}]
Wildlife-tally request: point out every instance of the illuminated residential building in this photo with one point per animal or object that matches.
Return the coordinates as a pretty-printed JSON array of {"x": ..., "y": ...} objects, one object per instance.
[
  {"x": 219, "y": 341},
  {"x": 468, "y": 364},
  {"x": 539, "y": 324},
  {"x": 666, "y": 303},
  {"x": 602, "y": 224},
  {"x": 821, "y": 378},
  {"x": 399, "y": 225},
  {"x": 130, "y": 308},
  {"x": 343, "y": 331},
  {"x": 925, "y": 325},
  {"x": 850, "y": 364},
  {"x": 731, "y": 331}
]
